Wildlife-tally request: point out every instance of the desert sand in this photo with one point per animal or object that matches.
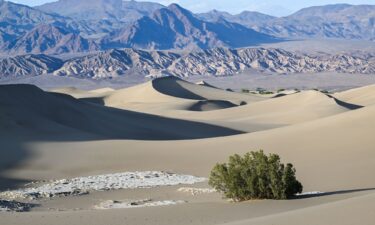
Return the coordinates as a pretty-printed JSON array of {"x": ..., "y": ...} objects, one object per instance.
[
  {"x": 185, "y": 128},
  {"x": 364, "y": 96}
]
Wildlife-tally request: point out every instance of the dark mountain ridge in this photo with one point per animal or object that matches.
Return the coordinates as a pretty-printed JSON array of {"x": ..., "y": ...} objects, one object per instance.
[{"x": 177, "y": 28}]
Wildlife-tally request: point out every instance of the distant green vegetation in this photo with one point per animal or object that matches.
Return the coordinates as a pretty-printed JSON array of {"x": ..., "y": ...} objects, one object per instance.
[
  {"x": 244, "y": 90},
  {"x": 255, "y": 176},
  {"x": 263, "y": 91},
  {"x": 322, "y": 91},
  {"x": 260, "y": 91}
]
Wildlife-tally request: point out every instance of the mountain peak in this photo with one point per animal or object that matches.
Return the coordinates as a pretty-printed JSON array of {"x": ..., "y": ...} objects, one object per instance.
[
  {"x": 178, "y": 9},
  {"x": 118, "y": 11},
  {"x": 174, "y": 14},
  {"x": 177, "y": 28},
  {"x": 175, "y": 6}
]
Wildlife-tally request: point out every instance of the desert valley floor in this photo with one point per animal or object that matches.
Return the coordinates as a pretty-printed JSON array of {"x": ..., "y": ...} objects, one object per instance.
[{"x": 180, "y": 130}]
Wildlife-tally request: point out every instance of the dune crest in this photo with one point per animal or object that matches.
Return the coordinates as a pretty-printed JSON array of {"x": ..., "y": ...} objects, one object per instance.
[{"x": 364, "y": 96}]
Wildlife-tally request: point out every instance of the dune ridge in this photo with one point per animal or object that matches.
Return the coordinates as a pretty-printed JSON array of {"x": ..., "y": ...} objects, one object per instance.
[{"x": 364, "y": 96}]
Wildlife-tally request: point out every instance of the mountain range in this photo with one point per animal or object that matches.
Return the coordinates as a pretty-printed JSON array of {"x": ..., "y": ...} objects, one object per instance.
[
  {"x": 103, "y": 16},
  {"x": 31, "y": 30},
  {"x": 74, "y": 26},
  {"x": 330, "y": 21},
  {"x": 246, "y": 18},
  {"x": 177, "y": 28},
  {"x": 213, "y": 62}
]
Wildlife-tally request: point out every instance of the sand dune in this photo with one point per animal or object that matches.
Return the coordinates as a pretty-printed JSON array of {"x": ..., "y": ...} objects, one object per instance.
[
  {"x": 28, "y": 108},
  {"x": 341, "y": 212},
  {"x": 363, "y": 96},
  {"x": 323, "y": 162},
  {"x": 333, "y": 153},
  {"x": 102, "y": 90},
  {"x": 175, "y": 98},
  {"x": 210, "y": 105},
  {"x": 54, "y": 136},
  {"x": 170, "y": 89},
  {"x": 179, "y": 88},
  {"x": 269, "y": 113},
  {"x": 205, "y": 84},
  {"x": 299, "y": 107},
  {"x": 82, "y": 94}
]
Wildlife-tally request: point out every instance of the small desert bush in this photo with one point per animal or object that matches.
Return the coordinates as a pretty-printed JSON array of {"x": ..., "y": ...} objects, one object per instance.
[
  {"x": 244, "y": 90},
  {"x": 255, "y": 176}
]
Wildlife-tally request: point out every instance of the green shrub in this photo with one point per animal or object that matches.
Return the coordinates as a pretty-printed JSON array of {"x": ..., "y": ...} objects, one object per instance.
[{"x": 255, "y": 176}]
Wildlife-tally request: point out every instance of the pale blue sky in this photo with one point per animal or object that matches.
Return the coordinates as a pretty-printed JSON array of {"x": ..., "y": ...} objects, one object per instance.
[{"x": 273, "y": 7}]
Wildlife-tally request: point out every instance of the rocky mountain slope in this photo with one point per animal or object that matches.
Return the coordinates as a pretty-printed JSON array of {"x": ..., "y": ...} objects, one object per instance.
[
  {"x": 103, "y": 16},
  {"x": 246, "y": 18},
  {"x": 330, "y": 21},
  {"x": 96, "y": 10},
  {"x": 115, "y": 63},
  {"x": 28, "y": 65},
  {"x": 46, "y": 38},
  {"x": 177, "y": 28},
  {"x": 19, "y": 23},
  {"x": 342, "y": 21},
  {"x": 101, "y": 25},
  {"x": 76, "y": 26},
  {"x": 214, "y": 62}
]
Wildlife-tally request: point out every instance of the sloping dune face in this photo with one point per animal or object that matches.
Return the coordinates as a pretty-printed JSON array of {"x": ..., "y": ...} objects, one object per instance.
[
  {"x": 363, "y": 96},
  {"x": 210, "y": 105},
  {"x": 57, "y": 136},
  {"x": 171, "y": 88},
  {"x": 350, "y": 211},
  {"x": 331, "y": 154},
  {"x": 176, "y": 87},
  {"x": 173, "y": 94},
  {"x": 27, "y": 108},
  {"x": 290, "y": 109},
  {"x": 175, "y": 98},
  {"x": 77, "y": 93}
]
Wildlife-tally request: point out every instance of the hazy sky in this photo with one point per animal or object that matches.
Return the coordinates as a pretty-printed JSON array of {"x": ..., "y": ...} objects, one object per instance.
[{"x": 273, "y": 7}]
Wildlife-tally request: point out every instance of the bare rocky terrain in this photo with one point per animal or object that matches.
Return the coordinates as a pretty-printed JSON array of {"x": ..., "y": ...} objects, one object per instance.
[
  {"x": 28, "y": 65},
  {"x": 76, "y": 27},
  {"x": 343, "y": 21},
  {"x": 214, "y": 62}
]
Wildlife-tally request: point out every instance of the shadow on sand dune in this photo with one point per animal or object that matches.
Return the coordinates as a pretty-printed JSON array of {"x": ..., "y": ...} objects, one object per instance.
[
  {"x": 30, "y": 111},
  {"x": 29, "y": 114},
  {"x": 172, "y": 86},
  {"x": 333, "y": 193},
  {"x": 345, "y": 104}
]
